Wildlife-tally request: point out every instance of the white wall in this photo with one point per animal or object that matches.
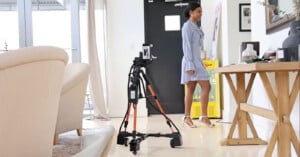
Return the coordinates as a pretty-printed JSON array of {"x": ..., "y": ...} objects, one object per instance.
[
  {"x": 231, "y": 39},
  {"x": 208, "y": 24},
  {"x": 207, "y": 20},
  {"x": 125, "y": 39},
  {"x": 272, "y": 41}
]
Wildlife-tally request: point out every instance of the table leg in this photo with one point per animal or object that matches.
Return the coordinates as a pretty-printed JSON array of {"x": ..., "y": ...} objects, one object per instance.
[
  {"x": 295, "y": 141},
  {"x": 284, "y": 133},
  {"x": 272, "y": 143},
  {"x": 241, "y": 118},
  {"x": 233, "y": 126},
  {"x": 293, "y": 96}
]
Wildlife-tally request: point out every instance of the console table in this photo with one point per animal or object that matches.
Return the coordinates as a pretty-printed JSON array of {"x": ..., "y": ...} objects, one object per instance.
[{"x": 282, "y": 99}]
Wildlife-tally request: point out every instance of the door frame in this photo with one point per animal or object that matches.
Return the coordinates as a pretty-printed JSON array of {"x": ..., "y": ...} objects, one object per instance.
[{"x": 147, "y": 29}]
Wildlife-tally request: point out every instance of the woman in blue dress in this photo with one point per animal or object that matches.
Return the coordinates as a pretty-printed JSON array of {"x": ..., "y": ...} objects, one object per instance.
[{"x": 193, "y": 71}]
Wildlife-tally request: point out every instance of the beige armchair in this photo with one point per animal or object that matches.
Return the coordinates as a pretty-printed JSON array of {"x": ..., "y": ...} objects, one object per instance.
[
  {"x": 30, "y": 86},
  {"x": 72, "y": 98}
]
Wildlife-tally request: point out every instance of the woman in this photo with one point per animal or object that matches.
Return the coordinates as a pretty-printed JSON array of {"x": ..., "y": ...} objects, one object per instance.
[{"x": 193, "y": 71}]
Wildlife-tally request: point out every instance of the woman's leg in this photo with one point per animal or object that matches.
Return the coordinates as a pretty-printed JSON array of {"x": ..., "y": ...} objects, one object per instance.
[
  {"x": 190, "y": 88},
  {"x": 205, "y": 89}
]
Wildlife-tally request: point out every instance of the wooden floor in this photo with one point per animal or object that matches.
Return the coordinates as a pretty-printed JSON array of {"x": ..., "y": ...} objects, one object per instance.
[{"x": 202, "y": 141}]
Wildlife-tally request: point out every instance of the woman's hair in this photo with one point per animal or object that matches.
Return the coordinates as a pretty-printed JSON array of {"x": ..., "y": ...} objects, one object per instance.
[{"x": 191, "y": 7}]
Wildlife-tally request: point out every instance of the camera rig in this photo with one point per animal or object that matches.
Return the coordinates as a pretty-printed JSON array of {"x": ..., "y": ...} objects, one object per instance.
[{"x": 138, "y": 85}]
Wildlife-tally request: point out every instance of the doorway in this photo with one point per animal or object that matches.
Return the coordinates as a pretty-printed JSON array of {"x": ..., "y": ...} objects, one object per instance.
[{"x": 163, "y": 23}]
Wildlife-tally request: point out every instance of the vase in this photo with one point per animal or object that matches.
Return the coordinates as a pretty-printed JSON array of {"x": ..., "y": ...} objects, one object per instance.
[
  {"x": 249, "y": 53},
  {"x": 291, "y": 43}
]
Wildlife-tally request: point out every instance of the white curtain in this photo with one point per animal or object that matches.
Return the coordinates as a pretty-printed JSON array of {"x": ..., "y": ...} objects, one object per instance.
[{"x": 96, "y": 56}]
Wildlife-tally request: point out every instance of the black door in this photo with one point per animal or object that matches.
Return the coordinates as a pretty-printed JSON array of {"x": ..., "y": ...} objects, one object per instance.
[{"x": 165, "y": 71}]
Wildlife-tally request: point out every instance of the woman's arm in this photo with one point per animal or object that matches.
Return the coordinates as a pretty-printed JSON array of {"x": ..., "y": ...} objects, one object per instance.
[{"x": 187, "y": 36}]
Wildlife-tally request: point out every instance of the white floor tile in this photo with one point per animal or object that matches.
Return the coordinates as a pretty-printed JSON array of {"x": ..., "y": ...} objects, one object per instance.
[{"x": 202, "y": 141}]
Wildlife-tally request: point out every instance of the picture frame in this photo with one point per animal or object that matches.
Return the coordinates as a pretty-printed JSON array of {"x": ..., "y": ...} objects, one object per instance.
[
  {"x": 279, "y": 14},
  {"x": 245, "y": 17}
]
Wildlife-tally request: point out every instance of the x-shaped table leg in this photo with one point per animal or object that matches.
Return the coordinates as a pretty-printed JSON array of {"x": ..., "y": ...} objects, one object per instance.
[
  {"x": 241, "y": 119},
  {"x": 282, "y": 104}
]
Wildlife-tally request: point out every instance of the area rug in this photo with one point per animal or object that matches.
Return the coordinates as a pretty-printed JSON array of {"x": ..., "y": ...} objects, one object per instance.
[{"x": 70, "y": 144}]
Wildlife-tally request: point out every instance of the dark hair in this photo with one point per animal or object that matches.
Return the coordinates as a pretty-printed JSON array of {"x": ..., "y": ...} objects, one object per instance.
[{"x": 191, "y": 7}]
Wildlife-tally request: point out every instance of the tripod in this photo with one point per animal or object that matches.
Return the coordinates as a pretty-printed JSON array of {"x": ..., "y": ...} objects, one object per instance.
[{"x": 136, "y": 83}]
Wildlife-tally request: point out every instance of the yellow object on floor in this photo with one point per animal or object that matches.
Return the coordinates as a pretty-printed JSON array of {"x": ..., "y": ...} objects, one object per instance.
[{"x": 214, "y": 107}]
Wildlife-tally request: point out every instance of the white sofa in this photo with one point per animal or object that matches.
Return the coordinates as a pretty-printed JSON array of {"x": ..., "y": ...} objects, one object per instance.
[
  {"x": 72, "y": 99},
  {"x": 70, "y": 113},
  {"x": 30, "y": 87}
]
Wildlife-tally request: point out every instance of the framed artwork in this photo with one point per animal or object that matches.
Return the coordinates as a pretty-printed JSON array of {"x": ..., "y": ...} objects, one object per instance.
[
  {"x": 245, "y": 17},
  {"x": 279, "y": 14}
]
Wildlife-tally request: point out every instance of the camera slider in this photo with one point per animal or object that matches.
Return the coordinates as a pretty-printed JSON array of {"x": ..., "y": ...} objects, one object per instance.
[{"x": 136, "y": 82}]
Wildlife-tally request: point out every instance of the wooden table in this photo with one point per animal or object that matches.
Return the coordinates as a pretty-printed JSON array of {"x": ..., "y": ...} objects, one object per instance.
[{"x": 282, "y": 99}]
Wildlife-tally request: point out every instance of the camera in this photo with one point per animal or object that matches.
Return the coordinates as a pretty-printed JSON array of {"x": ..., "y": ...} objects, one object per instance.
[
  {"x": 145, "y": 57},
  {"x": 146, "y": 54}
]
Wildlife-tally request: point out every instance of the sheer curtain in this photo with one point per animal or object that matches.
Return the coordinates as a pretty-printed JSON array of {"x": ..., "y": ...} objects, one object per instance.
[{"x": 96, "y": 56}]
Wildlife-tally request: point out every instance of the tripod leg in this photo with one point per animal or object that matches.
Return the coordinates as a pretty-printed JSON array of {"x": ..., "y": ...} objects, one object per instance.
[
  {"x": 158, "y": 104},
  {"x": 134, "y": 120},
  {"x": 153, "y": 94},
  {"x": 127, "y": 116},
  {"x": 151, "y": 90}
]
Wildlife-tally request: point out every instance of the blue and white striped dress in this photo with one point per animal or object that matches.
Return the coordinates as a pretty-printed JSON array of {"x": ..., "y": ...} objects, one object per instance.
[{"x": 192, "y": 43}]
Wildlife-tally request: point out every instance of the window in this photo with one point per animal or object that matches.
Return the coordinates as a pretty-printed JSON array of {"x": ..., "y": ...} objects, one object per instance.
[
  {"x": 9, "y": 31},
  {"x": 51, "y": 24},
  {"x": 41, "y": 22}
]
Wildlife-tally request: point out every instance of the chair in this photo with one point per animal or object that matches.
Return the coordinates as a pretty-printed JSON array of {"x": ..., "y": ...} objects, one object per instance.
[
  {"x": 72, "y": 98},
  {"x": 30, "y": 86}
]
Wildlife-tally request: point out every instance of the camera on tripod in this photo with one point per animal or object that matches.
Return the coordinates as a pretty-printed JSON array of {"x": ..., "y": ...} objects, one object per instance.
[
  {"x": 146, "y": 54},
  {"x": 145, "y": 57},
  {"x": 139, "y": 87}
]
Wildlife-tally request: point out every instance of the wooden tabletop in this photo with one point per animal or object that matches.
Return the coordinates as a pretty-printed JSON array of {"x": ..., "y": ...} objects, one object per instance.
[{"x": 260, "y": 67}]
